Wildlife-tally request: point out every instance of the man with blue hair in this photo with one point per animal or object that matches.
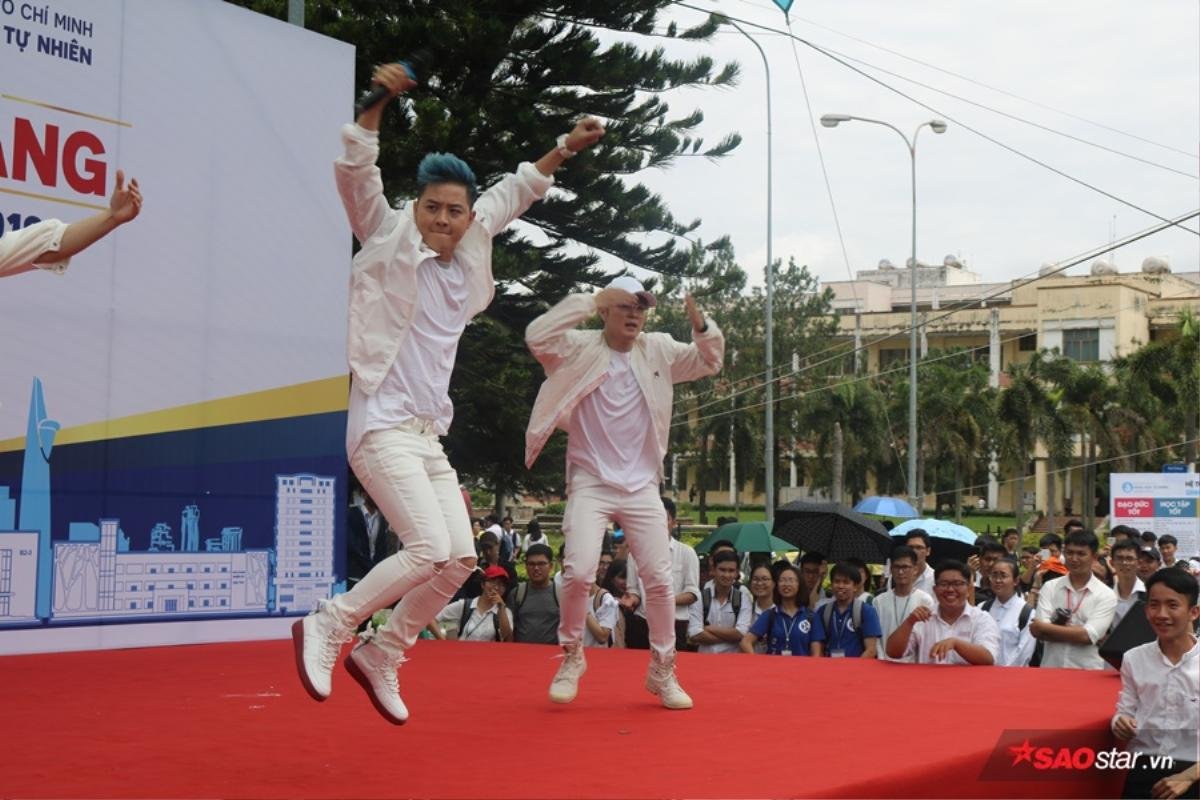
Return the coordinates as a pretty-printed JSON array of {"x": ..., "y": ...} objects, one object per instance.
[{"x": 423, "y": 272}]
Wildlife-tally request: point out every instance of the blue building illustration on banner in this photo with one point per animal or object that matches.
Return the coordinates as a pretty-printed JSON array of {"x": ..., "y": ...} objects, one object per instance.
[{"x": 94, "y": 574}]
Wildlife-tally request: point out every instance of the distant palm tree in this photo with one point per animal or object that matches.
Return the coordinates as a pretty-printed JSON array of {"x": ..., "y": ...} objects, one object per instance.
[
  {"x": 1169, "y": 369},
  {"x": 957, "y": 408},
  {"x": 845, "y": 461}
]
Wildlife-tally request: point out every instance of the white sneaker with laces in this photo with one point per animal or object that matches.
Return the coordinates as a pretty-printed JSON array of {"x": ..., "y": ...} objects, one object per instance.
[
  {"x": 661, "y": 681},
  {"x": 565, "y": 685},
  {"x": 317, "y": 640},
  {"x": 375, "y": 670}
]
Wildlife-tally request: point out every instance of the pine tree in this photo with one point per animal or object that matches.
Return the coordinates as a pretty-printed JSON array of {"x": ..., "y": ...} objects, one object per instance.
[{"x": 500, "y": 79}]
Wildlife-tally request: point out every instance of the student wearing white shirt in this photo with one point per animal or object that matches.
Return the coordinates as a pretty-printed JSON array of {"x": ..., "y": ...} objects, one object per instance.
[
  {"x": 1076, "y": 610},
  {"x": 489, "y": 619},
  {"x": 729, "y": 609},
  {"x": 955, "y": 633},
  {"x": 1127, "y": 586},
  {"x": 422, "y": 273},
  {"x": 897, "y": 603},
  {"x": 1011, "y": 613},
  {"x": 1159, "y": 705}
]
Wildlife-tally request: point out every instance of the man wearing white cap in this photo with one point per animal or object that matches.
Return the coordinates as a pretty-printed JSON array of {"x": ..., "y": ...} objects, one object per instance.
[{"x": 612, "y": 391}]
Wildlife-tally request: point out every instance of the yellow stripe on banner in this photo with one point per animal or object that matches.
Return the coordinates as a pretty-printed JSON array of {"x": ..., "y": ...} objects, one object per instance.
[
  {"x": 302, "y": 399},
  {"x": 41, "y": 104},
  {"x": 52, "y": 199}
]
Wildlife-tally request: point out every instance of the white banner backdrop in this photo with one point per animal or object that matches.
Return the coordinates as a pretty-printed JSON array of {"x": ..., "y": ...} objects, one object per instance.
[{"x": 190, "y": 357}]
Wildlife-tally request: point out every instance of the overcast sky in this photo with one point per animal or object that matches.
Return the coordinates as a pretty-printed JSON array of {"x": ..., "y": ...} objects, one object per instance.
[{"x": 1131, "y": 66}]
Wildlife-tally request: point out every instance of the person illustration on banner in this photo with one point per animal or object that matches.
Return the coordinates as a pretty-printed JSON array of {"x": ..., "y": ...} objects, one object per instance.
[
  {"x": 50, "y": 243},
  {"x": 422, "y": 273}
]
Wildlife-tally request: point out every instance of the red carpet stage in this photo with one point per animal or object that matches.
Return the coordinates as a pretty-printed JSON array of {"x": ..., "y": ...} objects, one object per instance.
[{"x": 231, "y": 720}]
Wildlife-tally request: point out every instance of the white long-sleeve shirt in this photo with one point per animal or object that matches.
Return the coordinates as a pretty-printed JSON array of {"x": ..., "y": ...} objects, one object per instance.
[
  {"x": 1163, "y": 698},
  {"x": 33, "y": 246},
  {"x": 1016, "y": 643}
]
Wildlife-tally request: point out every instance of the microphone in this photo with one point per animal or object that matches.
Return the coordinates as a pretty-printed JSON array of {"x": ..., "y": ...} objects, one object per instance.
[{"x": 377, "y": 94}]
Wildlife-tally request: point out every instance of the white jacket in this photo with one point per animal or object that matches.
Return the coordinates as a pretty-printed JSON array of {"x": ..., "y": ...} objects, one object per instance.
[
  {"x": 576, "y": 362},
  {"x": 383, "y": 281}
]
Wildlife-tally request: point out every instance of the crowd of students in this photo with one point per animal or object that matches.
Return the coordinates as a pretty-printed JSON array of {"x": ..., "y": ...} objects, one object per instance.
[{"x": 1051, "y": 606}]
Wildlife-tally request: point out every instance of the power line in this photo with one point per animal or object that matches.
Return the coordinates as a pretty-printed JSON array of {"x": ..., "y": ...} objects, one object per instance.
[
  {"x": 956, "y": 121},
  {"x": 1013, "y": 286},
  {"x": 873, "y": 376},
  {"x": 1097, "y": 462},
  {"x": 969, "y": 79}
]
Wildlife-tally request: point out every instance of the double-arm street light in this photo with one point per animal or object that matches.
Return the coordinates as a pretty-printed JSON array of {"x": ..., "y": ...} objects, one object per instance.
[{"x": 937, "y": 126}]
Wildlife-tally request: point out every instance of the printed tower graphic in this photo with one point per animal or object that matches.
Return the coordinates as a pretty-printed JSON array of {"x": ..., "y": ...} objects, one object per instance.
[
  {"x": 35, "y": 493},
  {"x": 189, "y": 529}
]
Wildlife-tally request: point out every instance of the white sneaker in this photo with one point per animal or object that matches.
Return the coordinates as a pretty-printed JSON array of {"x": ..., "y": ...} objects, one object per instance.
[
  {"x": 317, "y": 640},
  {"x": 565, "y": 685},
  {"x": 660, "y": 680},
  {"x": 375, "y": 670}
]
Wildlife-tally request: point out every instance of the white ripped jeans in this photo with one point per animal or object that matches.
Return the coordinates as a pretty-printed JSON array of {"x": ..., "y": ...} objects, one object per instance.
[
  {"x": 406, "y": 472},
  {"x": 591, "y": 505}
]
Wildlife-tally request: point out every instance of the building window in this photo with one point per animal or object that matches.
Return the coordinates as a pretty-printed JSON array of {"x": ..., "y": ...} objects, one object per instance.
[
  {"x": 892, "y": 358},
  {"x": 1082, "y": 344},
  {"x": 1027, "y": 343}
]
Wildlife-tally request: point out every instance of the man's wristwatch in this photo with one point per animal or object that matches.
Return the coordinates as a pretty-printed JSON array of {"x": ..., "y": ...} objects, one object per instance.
[{"x": 563, "y": 150}]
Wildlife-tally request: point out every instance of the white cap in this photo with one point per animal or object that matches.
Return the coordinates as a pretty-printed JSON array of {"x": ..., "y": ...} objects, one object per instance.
[{"x": 632, "y": 285}]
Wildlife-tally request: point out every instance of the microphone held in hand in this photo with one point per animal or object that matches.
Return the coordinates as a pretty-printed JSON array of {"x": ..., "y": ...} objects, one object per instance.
[{"x": 414, "y": 65}]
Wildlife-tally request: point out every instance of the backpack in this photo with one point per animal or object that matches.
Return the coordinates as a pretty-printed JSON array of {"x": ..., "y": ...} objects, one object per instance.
[
  {"x": 519, "y": 595},
  {"x": 466, "y": 616},
  {"x": 1022, "y": 619},
  {"x": 855, "y": 616},
  {"x": 706, "y": 597}
]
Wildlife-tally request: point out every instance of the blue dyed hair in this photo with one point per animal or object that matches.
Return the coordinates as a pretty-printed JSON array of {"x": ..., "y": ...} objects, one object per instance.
[{"x": 446, "y": 168}]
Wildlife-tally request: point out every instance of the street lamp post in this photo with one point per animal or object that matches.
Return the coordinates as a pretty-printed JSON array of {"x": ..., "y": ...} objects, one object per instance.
[
  {"x": 937, "y": 126},
  {"x": 769, "y": 447}
]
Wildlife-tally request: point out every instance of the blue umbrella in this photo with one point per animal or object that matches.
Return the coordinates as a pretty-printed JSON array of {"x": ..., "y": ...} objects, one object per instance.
[
  {"x": 886, "y": 507},
  {"x": 950, "y": 540}
]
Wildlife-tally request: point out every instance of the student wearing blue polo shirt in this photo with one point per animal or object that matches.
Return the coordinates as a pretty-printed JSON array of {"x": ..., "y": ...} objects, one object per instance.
[
  {"x": 789, "y": 628},
  {"x": 847, "y": 627}
]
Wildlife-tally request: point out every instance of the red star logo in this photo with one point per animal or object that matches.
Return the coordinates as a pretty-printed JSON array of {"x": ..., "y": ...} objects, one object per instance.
[{"x": 1022, "y": 753}]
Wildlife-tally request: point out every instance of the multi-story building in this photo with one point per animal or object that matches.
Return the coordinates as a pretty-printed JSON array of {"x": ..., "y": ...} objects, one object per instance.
[
  {"x": 304, "y": 527},
  {"x": 1092, "y": 318}
]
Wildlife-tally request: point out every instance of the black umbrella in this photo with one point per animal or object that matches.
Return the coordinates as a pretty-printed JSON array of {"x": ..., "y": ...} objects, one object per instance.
[{"x": 832, "y": 530}]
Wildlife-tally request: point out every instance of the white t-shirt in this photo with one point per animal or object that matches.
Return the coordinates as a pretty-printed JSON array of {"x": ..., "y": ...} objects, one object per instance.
[
  {"x": 418, "y": 384},
  {"x": 606, "y": 615},
  {"x": 610, "y": 433},
  {"x": 479, "y": 627}
]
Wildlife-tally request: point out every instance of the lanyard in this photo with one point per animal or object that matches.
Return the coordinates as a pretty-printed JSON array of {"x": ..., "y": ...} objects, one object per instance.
[
  {"x": 840, "y": 630},
  {"x": 1082, "y": 596},
  {"x": 898, "y": 617},
  {"x": 482, "y": 620},
  {"x": 787, "y": 629}
]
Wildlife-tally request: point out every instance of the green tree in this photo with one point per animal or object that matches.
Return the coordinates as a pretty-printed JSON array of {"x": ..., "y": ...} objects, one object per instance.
[
  {"x": 1169, "y": 370},
  {"x": 504, "y": 78},
  {"x": 955, "y": 408}
]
